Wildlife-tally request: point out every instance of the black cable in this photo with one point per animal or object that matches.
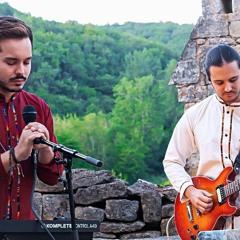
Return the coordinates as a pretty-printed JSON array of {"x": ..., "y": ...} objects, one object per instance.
[{"x": 32, "y": 194}]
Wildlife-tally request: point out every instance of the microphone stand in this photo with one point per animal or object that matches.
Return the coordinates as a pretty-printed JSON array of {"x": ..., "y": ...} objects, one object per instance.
[
  {"x": 71, "y": 152},
  {"x": 68, "y": 154},
  {"x": 68, "y": 159},
  {"x": 34, "y": 156}
]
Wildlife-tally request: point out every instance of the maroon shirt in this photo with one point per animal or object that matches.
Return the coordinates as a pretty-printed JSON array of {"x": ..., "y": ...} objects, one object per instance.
[{"x": 48, "y": 173}]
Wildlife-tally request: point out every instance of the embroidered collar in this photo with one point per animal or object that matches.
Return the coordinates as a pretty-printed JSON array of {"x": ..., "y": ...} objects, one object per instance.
[
  {"x": 3, "y": 99},
  {"x": 234, "y": 104}
]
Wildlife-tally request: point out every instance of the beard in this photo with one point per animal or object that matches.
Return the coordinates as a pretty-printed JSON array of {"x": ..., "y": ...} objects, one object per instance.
[
  {"x": 235, "y": 98},
  {"x": 5, "y": 88}
]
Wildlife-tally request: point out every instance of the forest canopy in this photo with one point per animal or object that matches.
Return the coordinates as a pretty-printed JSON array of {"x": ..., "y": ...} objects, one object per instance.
[{"x": 108, "y": 89}]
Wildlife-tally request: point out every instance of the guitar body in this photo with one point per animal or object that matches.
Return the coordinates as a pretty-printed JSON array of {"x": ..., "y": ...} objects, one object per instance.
[{"x": 189, "y": 221}]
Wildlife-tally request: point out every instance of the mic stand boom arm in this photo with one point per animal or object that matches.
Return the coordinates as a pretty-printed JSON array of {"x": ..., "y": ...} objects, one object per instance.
[
  {"x": 72, "y": 152},
  {"x": 68, "y": 154}
]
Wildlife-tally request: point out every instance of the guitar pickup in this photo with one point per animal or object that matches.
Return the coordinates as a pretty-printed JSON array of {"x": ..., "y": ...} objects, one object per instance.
[
  {"x": 220, "y": 194},
  {"x": 189, "y": 211},
  {"x": 198, "y": 212}
]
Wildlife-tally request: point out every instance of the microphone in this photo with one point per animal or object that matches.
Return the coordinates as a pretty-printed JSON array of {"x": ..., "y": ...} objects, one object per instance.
[{"x": 29, "y": 114}]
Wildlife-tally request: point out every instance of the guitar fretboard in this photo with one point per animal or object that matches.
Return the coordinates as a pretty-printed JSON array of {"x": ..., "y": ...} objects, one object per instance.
[{"x": 232, "y": 188}]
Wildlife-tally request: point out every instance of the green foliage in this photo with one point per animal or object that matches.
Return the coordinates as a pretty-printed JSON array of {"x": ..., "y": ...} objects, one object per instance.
[
  {"x": 70, "y": 57},
  {"x": 66, "y": 130},
  {"x": 172, "y": 35},
  {"x": 138, "y": 127},
  {"x": 118, "y": 176},
  {"x": 6, "y": 10},
  {"x": 85, "y": 135},
  {"x": 108, "y": 89},
  {"x": 159, "y": 180}
]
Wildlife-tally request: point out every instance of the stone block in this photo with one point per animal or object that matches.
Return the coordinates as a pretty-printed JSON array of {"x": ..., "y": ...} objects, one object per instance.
[{"x": 219, "y": 234}]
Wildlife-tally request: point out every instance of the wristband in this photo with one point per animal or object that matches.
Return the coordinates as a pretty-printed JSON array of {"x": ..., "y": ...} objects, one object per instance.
[{"x": 12, "y": 151}]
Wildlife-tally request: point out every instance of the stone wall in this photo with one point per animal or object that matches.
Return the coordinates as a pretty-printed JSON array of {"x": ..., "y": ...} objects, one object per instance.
[{"x": 141, "y": 210}]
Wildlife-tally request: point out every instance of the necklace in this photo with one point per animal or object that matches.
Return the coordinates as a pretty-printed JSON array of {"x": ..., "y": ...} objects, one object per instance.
[{"x": 6, "y": 119}]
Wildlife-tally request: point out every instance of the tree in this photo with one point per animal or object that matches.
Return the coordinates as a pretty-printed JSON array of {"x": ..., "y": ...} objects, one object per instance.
[
  {"x": 131, "y": 124},
  {"x": 85, "y": 135}
]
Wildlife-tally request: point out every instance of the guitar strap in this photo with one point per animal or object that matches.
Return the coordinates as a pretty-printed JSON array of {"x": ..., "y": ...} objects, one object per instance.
[{"x": 236, "y": 164}]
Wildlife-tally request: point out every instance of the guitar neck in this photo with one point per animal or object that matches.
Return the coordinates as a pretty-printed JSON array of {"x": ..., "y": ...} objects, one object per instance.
[{"x": 232, "y": 188}]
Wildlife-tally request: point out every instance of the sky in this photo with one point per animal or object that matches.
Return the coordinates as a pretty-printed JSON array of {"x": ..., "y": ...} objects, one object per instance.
[{"x": 102, "y": 12}]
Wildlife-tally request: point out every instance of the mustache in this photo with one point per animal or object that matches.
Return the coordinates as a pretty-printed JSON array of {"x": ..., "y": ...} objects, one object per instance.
[{"x": 18, "y": 77}]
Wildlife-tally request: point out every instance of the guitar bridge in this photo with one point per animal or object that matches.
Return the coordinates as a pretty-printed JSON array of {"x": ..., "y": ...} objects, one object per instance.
[{"x": 221, "y": 194}]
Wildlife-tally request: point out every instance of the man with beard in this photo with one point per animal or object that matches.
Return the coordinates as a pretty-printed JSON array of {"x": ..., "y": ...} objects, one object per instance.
[
  {"x": 210, "y": 128},
  {"x": 17, "y": 138}
]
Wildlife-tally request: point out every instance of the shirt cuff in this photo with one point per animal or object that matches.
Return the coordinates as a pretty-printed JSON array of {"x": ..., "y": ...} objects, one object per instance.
[{"x": 184, "y": 186}]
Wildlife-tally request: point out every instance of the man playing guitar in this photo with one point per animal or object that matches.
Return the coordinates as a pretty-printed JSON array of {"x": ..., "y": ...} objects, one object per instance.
[{"x": 210, "y": 128}]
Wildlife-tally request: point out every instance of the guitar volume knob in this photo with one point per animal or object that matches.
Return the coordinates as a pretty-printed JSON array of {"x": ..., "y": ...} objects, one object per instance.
[{"x": 195, "y": 226}]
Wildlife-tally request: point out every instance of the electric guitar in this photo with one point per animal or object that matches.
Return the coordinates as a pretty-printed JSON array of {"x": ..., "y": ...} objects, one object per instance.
[{"x": 189, "y": 221}]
